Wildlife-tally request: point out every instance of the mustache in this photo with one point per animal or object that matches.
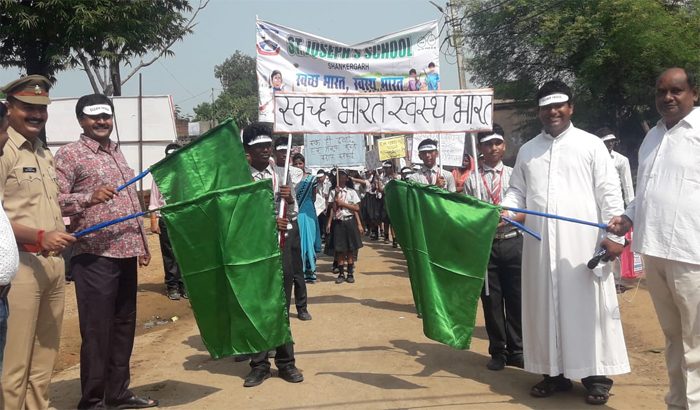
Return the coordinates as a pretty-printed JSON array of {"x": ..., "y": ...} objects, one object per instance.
[
  {"x": 102, "y": 126},
  {"x": 34, "y": 119}
]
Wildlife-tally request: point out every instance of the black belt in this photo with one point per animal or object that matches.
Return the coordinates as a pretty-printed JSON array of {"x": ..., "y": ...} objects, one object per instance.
[
  {"x": 507, "y": 235},
  {"x": 4, "y": 290}
]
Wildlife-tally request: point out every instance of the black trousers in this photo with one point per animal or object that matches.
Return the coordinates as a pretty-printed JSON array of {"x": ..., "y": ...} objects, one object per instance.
[
  {"x": 291, "y": 263},
  {"x": 106, "y": 292},
  {"x": 322, "y": 221},
  {"x": 503, "y": 306},
  {"x": 173, "y": 278}
]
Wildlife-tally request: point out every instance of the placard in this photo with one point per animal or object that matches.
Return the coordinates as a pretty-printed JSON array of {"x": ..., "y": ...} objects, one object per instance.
[
  {"x": 390, "y": 148},
  {"x": 292, "y": 60},
  {"x": 334, "y": 150},
  {"x": 451, "y": 148},
  {"x": 384, "y": 113},
  {"x": 372, "y": 159}
]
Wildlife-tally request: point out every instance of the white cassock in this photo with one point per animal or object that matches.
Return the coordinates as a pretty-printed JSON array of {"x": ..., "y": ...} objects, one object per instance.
[{"x": 571, "y": 319}]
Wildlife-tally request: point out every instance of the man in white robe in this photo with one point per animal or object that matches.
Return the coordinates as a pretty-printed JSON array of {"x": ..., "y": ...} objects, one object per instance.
[
  {"x": 666, "y": 226},
  {"x": 571, "y": 319}
]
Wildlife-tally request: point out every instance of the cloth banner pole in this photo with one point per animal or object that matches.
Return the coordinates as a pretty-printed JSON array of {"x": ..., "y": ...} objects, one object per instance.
[{"x": 478, "y": 195}]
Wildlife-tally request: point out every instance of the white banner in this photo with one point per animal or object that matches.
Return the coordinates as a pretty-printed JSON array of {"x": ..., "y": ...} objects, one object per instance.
[
  {"x": 384, "y": 113},
  {"x": 292, "y": 60},
  {"x": 451, "y": 148}
]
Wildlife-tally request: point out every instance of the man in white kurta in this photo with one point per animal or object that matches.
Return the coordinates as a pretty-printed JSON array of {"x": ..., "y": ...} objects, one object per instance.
[
  {"x": 666, "y": 226},
  {"x": 571, "y": 320}
]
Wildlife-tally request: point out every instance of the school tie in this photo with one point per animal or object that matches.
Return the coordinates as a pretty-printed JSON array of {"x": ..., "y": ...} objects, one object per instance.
[{"x": 496, "y": 187}]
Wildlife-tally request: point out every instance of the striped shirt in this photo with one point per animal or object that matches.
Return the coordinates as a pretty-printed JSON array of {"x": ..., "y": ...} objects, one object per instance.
[{"x": 484, "y": 177}]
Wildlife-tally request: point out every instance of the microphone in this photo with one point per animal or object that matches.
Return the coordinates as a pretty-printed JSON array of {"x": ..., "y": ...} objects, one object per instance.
[{"x": 596, "y": 258}]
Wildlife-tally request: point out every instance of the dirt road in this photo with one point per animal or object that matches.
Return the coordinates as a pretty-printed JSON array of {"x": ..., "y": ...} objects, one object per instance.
[{"x": 364, "y": 349}]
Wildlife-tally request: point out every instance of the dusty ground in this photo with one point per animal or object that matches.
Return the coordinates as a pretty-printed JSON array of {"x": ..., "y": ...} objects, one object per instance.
[{"x": 364, "y": 349}]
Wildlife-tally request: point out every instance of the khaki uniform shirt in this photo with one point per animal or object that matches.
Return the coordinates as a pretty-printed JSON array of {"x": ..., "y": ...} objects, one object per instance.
[{"x": 28, "y": 184}]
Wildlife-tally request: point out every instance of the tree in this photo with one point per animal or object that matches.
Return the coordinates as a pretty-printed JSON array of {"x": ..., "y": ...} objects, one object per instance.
[
  {"x": 610, "y": 51},
  {"x": 239, "y": 98},
  {"x": 100, "y": 36}
]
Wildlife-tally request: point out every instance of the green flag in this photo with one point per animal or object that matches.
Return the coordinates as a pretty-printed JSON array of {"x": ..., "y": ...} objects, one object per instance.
[
  {"x": 224, "y": 234},
  {"x": 446, "y": 239},
  {"x": 216, "y": 160}
]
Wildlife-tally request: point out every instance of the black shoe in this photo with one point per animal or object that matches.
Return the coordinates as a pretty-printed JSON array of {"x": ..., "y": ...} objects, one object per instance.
[
  {"x": 394, "y": 245},
  {"x": 173, "y": 294},
  {"x": 256, "y": 377},
  {"x": 304, "y": 315},
  {"x": 351, "y": 278},
  {"x": 497, "y": 363},
  {"x": 271, "y": 353},
  {"x": 134, "y": 403},
  {"x": 291, "y": 374},
  {"x": 516, "y": 360},
  {"x": 340, "y": 279},
  {"x": 386, "y": 239},
  {"x": 183, "y": 293},
  {"x": 241, "y": 358}
]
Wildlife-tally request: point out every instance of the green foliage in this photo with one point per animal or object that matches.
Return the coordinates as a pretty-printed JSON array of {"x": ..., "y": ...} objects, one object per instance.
[
  {"x": 239, "y": 98},
  {"x": 44, "y": 37},
  {"x": 609, "y": 51}
]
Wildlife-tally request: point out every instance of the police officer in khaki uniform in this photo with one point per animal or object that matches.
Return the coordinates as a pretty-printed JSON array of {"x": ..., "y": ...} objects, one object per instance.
[{"x": 29, "y": 190}]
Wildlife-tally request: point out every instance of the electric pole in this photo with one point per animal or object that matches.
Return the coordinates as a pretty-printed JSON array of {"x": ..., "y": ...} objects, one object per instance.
[{"x": 457, "y": 39}]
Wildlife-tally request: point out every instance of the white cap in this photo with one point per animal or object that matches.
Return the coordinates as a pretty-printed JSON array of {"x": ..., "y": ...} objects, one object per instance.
[
  {"x": 608, "y": 137},
  {"x": 491, "y": 137},
  {"x": 260, "y": 139},
  {"x": 553, "y": 99},
  {"x": 427, "y": 147},
  {"x": 97, "y": 109}
]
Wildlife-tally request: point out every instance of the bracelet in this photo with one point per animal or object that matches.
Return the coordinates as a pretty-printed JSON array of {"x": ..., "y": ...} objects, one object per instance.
[{"x": 41, "y": 236}]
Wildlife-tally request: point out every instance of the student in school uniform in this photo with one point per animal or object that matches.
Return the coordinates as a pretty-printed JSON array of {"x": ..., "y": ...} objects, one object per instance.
[
  {"x": 503, "y": 304},
  {"x": 344, "y": 225},
  {"x": 430, "y": 173},
  {"x": 258, "y": 145},
  {"x": 387, "y": 176}
]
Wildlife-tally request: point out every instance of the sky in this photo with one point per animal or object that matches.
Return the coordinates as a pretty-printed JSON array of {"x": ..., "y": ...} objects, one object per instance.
[{"x": 229, "y": 25}]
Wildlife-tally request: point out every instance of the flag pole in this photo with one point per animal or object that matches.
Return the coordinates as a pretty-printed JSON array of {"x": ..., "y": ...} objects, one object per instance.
[
  {"x": 283, "y": 204},
  {"x": 472, "y": 136},
  {"x": 521, "y": 226},
  {"x": 112, "y": 222},
  {"x": 134, "y": 179},
  {"x": 552, "y": 216}
]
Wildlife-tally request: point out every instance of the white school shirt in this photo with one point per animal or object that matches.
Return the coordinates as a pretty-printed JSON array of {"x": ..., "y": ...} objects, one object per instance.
[
  {"x": 347, "y": 195},
  {"x": 429, "y": 176},
  {"x": 665, "y": 211},
  {"x": 622, "y": 165}
]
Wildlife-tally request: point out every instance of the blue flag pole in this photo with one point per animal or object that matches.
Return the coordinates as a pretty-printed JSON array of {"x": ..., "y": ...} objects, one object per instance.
[
  {"x": 134, "y": 179},
  {"x": 521, "y": 226},
  {"x": 112, "y": 222},
  {"x": 563, "y": 218}
]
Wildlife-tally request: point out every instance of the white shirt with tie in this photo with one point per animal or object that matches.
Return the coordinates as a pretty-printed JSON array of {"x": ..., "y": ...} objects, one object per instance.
[{"x": 429, "y": 176}]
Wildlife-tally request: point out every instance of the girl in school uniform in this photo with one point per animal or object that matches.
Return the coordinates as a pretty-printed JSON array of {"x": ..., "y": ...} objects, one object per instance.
[{"x": 346, "y": 237}]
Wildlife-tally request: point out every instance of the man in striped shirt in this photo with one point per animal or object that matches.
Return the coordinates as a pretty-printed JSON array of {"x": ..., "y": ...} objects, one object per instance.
[{"x": 502, "y": 305}]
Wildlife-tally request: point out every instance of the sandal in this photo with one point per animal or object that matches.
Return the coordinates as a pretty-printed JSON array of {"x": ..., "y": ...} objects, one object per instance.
[
  {"x": 550, "y": 385},
  {"x": 597, "y": 394}
]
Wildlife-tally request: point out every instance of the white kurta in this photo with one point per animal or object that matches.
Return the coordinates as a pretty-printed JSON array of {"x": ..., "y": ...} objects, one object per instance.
[{"x": 571, "y": 319}]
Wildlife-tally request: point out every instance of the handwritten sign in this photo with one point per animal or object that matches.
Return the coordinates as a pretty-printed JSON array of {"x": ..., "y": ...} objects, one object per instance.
[
  {"x": 332, "y": 150},
  {"x": 451, "y": 148},
  {"x": 384, "y": 112},
  {"x": 372, "y": 160},
  {"x": 390, "y": 148}
]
